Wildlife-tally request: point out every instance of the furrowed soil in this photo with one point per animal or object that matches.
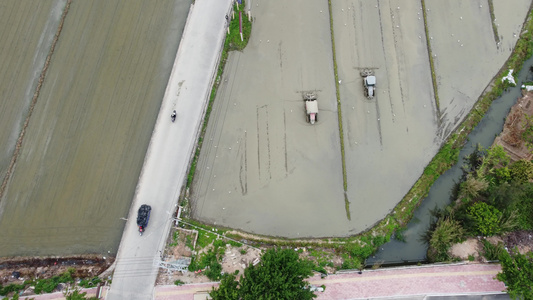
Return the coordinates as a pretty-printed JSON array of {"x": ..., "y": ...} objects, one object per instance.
[{"x": 84, "y": 146}]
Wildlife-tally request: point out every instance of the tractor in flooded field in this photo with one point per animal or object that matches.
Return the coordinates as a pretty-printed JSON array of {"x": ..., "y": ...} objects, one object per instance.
[
  {"x": 369, "y": 83},
  {"x": 311, "y": 107}
]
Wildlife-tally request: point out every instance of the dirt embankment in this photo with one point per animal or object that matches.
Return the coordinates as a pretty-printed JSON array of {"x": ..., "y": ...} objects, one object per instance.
[
  {"x": 17, "y": 270},
  {"x": 511, "y": 136},
  {"x": 521, "y": 240}
]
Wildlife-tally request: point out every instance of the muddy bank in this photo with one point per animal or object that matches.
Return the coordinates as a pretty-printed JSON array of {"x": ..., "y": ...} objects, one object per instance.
[
  {"x": 511, "y": 136},
  {"x": 17, "y": 270}
]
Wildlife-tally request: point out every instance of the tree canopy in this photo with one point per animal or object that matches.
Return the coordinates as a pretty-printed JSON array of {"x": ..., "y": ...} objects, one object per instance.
[
  {"x": 279, "y": 275},
  {"x": 517, "y": 274}
]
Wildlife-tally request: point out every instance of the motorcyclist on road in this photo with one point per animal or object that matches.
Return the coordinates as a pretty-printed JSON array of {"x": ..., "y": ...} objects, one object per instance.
[{"x": 173, "y": 116}]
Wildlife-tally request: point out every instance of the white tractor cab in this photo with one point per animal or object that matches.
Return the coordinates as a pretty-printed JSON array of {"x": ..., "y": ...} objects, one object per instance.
[
  {"x": 369, "y": 83},
  {"x": 311, "y": 107}
]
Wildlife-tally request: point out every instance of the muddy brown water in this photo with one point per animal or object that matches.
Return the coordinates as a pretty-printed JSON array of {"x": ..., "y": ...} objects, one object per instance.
[{"x": 85, "y": 144}]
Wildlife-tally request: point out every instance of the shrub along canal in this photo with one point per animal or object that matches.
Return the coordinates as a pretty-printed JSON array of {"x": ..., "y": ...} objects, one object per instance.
[{"x": 412, "y": 249}]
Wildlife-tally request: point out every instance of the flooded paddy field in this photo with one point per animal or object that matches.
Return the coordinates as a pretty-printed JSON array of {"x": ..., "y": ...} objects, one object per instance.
[
  {"x": 27, "y": 31},
  {"x": 264, "y": 170},
  {"x": 467, "y": 52},
  {"x": 84, "y": 147}
]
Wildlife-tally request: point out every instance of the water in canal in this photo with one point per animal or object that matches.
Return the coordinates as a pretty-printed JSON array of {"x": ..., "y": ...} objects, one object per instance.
[{"x": 413, "y": 250}]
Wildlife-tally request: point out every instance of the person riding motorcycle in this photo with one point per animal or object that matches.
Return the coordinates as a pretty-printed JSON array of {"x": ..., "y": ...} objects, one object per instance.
[{"x": 173, "y": 116}]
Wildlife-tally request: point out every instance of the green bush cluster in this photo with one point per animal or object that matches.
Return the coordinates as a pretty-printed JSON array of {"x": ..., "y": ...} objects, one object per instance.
[
  {"x": 517, "y": 274},
  {"x": 486, "y": 217},
  {"x": 281, "y": 274},
  {"x": 210, "y": 261},
  {"x": 441, "y": 236},
  {"x": 48, "y": 285},
  {"x": 4, "y": 290},
  {"x": 521, "y": 171},
  {"x": 89, "y": 282},
  {"x": 492, "y": 252}
]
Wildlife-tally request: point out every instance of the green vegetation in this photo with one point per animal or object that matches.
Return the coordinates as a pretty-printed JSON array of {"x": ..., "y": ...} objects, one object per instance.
[
  {"x": 49, "y": 285},
  {"x": 46, "y": 285},
  {"x": 179, "y": 282},
  {"x": 492, "y": 252},
  {"x": 89, "y": 283},
  {"x": 279, "y": 275},
  {"x": 232, "y": 43},
  {"x": 521, "y": 171},
  {"x": 322, "y": 259},
  {"x": 208, "y": 263},
  {"x": 175, "y": 237},
  {"x": 517, "y": 274},
  {"x": 441, "y": 235},
  {"x": 4, "y": 290},
  {"x": 488, "y": 202},
  {"x": 76, "y": 294},
  {"x": 486, "y": 218}
]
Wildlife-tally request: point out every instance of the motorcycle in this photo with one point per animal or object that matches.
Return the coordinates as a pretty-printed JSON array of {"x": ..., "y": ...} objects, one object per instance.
[
  {"x": 173, "y": 116},
  {"x": 143, "y": 216}
]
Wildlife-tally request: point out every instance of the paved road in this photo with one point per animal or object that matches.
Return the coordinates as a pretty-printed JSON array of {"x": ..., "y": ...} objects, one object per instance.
[
  {"x": 434, "y": 281},
  {"x": 454, "y": 281},
  {"x": 170, "y": 148}
]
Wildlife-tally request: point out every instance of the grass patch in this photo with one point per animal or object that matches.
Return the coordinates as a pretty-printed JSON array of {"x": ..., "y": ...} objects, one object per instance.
[
  {"x": 48, "y": 285},
  {"x": 175, "y": 237},
  {"x": 179, "y": 282},
  {"x": 90, "y": 282},
  {"x": 492, "y": 252},
  {"x": 13, "y": 287}
]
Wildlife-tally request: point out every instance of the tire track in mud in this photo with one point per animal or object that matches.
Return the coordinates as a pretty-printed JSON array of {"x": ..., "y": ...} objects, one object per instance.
[
  {"x": 244, "y": 163},
  {"x": 263, "y": 137},
  {"x": 386, "y": 62},
  {"x": 399, "y": 60},
  {"x": 431, "y": 65},
  {"x": 215, "y": 122},
  {"x": 42, "y": 77},
  {"x": 285, "y": 141}
]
